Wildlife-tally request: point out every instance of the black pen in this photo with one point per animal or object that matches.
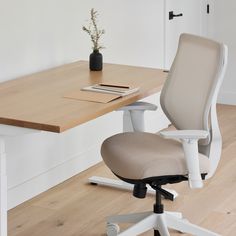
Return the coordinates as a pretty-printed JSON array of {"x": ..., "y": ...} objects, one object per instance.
[
  {"x": 108, "y": 89},
  {"x": 115, "y": 86}
]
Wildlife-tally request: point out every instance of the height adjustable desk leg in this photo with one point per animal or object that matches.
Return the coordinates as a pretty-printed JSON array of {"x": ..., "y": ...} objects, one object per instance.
[{"x": 3, "y": 189}]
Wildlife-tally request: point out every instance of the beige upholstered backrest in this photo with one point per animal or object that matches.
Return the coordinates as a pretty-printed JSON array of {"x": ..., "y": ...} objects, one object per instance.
[{"x": 192, "y": 83}]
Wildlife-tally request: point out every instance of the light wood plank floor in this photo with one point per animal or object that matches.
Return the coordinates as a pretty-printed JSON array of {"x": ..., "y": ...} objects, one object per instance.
[{"x": 76, "y": 208}]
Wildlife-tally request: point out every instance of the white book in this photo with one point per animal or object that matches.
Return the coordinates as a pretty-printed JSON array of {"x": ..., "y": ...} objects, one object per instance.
[{"x": 111, "y": 89}]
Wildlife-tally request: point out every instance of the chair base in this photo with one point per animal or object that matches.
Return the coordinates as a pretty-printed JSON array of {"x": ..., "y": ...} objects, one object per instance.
[{"x": 158, "y": 222}]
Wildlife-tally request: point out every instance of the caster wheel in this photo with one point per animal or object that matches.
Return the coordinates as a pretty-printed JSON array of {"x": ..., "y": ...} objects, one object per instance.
[{"x": 112, "y": 229}]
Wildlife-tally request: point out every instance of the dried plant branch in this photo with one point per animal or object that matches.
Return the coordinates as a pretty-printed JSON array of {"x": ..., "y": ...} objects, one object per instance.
[{"x": 93, "y": 31}]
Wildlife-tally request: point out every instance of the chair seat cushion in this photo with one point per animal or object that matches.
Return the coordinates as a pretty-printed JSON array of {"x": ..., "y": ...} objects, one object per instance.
[{"x": 139, "y": 155}]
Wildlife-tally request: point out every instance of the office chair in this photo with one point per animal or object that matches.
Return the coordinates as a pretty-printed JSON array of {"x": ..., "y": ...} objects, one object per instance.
[{"x": 189, "y": 153}]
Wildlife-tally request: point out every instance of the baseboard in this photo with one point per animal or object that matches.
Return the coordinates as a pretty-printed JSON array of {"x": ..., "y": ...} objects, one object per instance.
[
  {"x": 52, "y": 177},
  {"x": 226, "y": 97}
]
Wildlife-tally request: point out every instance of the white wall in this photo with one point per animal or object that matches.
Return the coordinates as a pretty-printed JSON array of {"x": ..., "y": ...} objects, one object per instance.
[
  {"x": 40, "y": 34},
  {"x": 224, "y": 30}
]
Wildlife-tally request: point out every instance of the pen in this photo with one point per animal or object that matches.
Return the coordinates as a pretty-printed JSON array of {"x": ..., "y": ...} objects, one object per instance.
[
  {"x": 108, "y": 89},
  {"x": 115, "y": 86}
]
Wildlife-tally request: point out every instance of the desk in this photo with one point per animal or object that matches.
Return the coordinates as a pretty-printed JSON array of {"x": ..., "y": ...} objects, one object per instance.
[{"x": 35, "y": 102}]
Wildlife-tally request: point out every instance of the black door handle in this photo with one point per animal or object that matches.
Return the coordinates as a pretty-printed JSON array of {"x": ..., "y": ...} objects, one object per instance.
[{"x": 172, "y": 15}]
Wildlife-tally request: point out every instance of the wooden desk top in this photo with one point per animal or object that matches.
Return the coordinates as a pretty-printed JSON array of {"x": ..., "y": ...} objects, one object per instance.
[{"x": 36, "y": 101}]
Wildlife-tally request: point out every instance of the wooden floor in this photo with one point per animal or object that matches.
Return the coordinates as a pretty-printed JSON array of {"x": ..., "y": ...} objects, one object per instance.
[{"x": 76, "y": 208}]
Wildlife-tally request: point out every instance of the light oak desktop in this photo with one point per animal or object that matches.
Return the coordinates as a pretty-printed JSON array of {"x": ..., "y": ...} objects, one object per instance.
[{"x": 36, "y": 101}]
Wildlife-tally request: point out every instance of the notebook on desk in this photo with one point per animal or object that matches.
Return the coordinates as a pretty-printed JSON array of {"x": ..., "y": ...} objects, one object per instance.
[
  {"x": 120, "y": 90},
  {"x": 101, "y": 93}
]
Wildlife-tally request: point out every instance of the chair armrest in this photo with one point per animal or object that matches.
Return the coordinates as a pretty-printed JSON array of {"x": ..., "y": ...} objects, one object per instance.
[
  {"x": 139, "y": 106},
  {"x": 189, "y": 139},
  {"x": 185, "y": 134}
]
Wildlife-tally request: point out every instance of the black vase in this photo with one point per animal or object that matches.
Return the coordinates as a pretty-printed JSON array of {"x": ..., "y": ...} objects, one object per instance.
[{"x": 95, "y": 61}]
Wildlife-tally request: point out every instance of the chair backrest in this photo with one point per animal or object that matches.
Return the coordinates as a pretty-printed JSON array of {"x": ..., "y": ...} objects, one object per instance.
[{"x": 189, "y": 94}]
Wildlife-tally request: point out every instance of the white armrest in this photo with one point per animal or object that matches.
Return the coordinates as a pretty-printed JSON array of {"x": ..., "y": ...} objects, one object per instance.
[
  {"x": 189, "y": 139},
  {"x": 140, "y": 106},
  {"x": 133, "y": 117},
  {"x": 185, "y": 134}
]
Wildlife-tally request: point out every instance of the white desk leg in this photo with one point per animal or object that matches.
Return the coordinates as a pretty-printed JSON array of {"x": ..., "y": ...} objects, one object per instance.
[{"x": 3, "y": 189}]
